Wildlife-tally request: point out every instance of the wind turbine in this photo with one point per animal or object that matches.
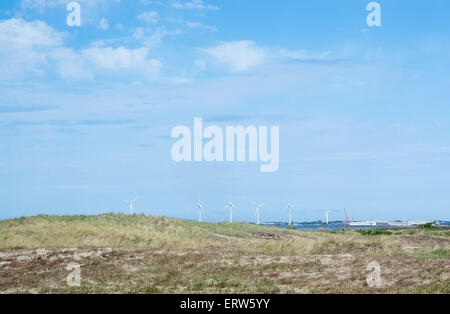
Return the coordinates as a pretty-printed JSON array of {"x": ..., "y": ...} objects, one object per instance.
[
  {"x": 230, "y": 205},
  {"x": 326, "y": 215},
  {"x": 200, "y": 210},
  {"x": 131, "y": 204},
  {"x": 258, "y": 207},
  {"x": 290, "y": 209}
]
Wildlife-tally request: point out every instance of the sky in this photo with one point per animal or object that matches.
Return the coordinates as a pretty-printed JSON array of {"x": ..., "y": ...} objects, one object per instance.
[{"x": 86, "y": 112}]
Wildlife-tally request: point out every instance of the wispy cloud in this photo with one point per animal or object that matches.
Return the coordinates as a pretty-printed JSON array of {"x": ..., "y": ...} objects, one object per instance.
[
  {"x": 193, "y": 5},
  {"x": 104, "y": 25},
  {"x": 150, "y": 37},
  {"x": 238, "y": 56},
  {"x": 201, "y": 26},
  {"x": 302, "y": 56},
  {"x": 148, "y": 17},
  {"x": 192, "y": 24}
]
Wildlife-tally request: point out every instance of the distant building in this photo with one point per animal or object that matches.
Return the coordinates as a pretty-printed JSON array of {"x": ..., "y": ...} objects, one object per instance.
[
  {"x": 398, "y": 224},
  {"x": 362, "y": 223},
  {"x": 388, "y": 223}
]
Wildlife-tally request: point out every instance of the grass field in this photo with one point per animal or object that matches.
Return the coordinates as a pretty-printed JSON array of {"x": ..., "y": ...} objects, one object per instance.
[{"x": 142, "y": 254}]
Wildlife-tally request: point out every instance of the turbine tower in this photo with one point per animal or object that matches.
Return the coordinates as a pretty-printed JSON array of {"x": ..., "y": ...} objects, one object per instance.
[
  {"x": 258, "y": 207},
  {"x": 131, "y": 204},
  {"x": 200, "y": 210},
  {"x": 327, "y": 215},
  {"x": 230, "y": 205},
  {"x": 290, "y": 209}
]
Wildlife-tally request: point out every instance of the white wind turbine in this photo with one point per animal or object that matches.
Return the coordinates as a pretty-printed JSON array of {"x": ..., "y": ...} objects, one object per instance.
[
  {"x": 258, "y": 208},
  {"x": 230, "y": 205},
  {"x": 131, "y": 204},
  {"x": 200, "y": 208},
  {"x": 290, "y": 209},
  {"x": 327, "y": 216}
]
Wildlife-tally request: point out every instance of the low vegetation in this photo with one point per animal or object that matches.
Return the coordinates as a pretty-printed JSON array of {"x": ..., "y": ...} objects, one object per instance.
[
  {"x": 375, "y": 232},
  {"x": 143, "y": 254}
]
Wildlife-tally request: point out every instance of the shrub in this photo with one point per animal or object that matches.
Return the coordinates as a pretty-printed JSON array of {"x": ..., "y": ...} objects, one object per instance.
[
  {"x": 428, "y": 225},
  {"x": 375, "y": 232}
]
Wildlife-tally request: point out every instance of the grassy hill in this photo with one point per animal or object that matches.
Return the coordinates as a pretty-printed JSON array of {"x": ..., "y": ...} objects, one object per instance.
[{"x": 142, "y": 254}]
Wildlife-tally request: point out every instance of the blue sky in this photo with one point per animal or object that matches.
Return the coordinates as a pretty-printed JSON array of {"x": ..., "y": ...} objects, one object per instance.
[{"x": 86, "y": 112}]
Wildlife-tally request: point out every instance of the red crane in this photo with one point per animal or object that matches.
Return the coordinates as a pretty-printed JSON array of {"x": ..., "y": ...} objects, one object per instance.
[{"x": 346, "y": 218}]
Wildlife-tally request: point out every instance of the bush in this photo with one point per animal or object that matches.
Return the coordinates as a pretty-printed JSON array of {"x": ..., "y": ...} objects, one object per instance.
[
  {"x": 375, "y": 232},
  {"x": 428, "y": 226}
]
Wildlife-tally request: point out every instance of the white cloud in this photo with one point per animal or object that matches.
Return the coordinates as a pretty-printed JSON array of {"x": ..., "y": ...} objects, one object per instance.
[
  {"x": 70, "y": 64},
  {"x": 302, "y": 55},
  {"x": 24, "y": 46},
  {"x": 36, "y": 48},
  {"x": 152, "y": 2},
  {"x": 19, "y": 33},
  {"x": 149, "y": 17},
  {"x": 103, "y": 24},
  {"x": 151, "y": 38},
  {"x": 193, "y": 25},
  {"x": 237, "y": 55},
  {"x": 97, "y": 60},
  {"x": 107, "y": 58},
  {"x": 201, "y": 26},
  {"x": 194, "y": 5}
]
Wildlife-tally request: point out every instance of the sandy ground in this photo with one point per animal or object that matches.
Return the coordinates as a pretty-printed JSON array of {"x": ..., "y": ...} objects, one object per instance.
[{"x": 214, "y": 270}]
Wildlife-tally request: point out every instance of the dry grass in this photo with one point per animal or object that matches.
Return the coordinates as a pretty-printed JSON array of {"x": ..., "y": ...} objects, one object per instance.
[{"x": 141, "y": 254}]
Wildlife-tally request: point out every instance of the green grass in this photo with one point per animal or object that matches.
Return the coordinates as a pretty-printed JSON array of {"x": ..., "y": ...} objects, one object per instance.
[
  {"x": 441, "y": 252},
  {"x": 375, "y": 232}
]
